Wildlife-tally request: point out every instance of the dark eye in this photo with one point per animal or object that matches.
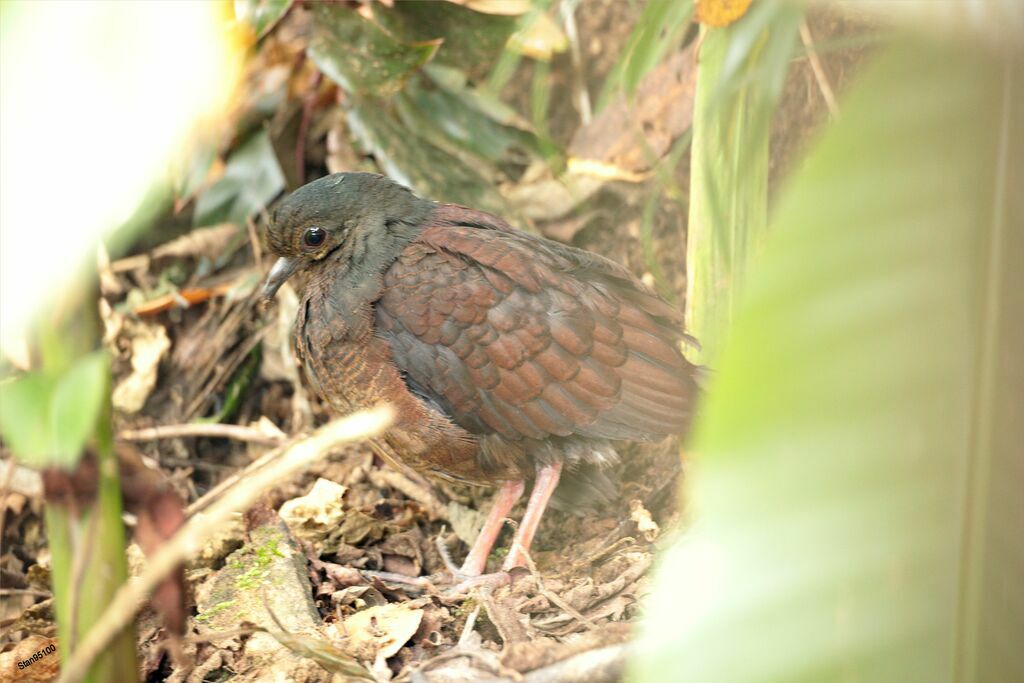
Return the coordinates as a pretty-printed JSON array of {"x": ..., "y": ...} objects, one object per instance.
[{"x": 314, "y": 237}]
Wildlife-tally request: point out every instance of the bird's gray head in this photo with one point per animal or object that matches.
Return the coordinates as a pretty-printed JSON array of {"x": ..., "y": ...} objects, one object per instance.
[{"x": 359, "y": 211}]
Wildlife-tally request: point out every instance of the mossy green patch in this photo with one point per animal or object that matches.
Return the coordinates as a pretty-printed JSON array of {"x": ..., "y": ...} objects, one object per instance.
[
  {"x": 215, "y": 610},
  {"x": 259, "y": 562}
]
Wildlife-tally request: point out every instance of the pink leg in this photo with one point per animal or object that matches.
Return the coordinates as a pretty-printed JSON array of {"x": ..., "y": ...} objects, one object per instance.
[
  {"x": 506, "y": 497},
  {"x": 547, "y": 480}
]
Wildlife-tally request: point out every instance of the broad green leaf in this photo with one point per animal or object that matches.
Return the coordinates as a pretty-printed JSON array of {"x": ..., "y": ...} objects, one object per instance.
[
  {"x": 76, "y": 405},
  {"x": 484, "y": 101},
  {"x": 261, "y": 14},
  {"x": 856, "y": 493},
  {"x": 660, "y": 27},
  {"x": 471, "y": 40},
  {"x": 417, "y": 163},
  {"x": 450, "y": 117},
  {"x": 362, "y": 56},
  {"x": 24, "y": 417},
  {"x": 251, "y": 179},
  {"x": 48, "y": 419}
]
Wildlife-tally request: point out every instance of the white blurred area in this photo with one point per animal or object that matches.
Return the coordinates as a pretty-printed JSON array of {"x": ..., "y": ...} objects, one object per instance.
[{"x": 95, "y": 99}]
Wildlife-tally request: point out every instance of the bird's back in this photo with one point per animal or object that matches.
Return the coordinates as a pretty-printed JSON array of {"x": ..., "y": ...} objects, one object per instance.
[{"x": 541, "y": 351}]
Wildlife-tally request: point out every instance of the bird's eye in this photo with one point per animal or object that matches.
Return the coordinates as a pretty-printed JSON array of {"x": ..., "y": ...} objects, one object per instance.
[{"x": 314, "y": 237}]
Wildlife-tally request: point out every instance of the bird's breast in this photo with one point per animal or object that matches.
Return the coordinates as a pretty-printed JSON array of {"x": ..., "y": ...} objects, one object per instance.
[{"x": 351, "y": 368}]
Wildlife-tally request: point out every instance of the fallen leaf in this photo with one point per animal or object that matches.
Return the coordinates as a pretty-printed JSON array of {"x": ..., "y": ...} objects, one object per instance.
[
  {"x": 313, "y": 516},
  {"x": 149, "y": 343},
  {"x": 625, "y": 140},
  {"x": 381, "y": 630},
  {"x": 647, "y": 527},
  {"x": 466, "y": 522},
  {"x": 38, "y": 657}
]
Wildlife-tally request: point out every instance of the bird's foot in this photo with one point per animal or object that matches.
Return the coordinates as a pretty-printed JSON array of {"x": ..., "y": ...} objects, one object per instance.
[{"x": 467, "y": 578}]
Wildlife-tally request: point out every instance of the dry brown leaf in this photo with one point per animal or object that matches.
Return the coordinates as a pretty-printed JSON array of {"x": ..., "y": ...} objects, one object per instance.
[
  {"x": 149, "y": 343},
  {"x": 541, "y": 196},
  {"x": 381, "y": 630},
  {"x": 625, "y": 140},
  {"x": 313, "y": 516},
  {"x": 38, "y": 658},
  {"x": 622, "y": 143},
  {"x": 644, "y": 523}
]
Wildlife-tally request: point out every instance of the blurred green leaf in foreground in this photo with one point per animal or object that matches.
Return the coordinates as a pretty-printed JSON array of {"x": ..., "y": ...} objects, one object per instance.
[
  {"x": 858, "y": 492},
  {"x": 47, "y": 419}
]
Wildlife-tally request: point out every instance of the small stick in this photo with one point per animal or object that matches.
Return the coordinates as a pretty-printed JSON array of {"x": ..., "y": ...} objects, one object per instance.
[
  {"x": 25, "y": 591},
  {"x": 172, "y": 553},
  {"x": 554, "y": 597},
  {"x": 254, "y": 241},
  {"x": 467, "y": 630},
  {"x": 819, "y": 71},
  {"x": 219, "y": 431}
]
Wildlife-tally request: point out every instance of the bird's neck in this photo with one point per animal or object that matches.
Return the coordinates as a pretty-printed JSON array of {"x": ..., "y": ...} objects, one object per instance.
[{"x": 353, "y": 273}]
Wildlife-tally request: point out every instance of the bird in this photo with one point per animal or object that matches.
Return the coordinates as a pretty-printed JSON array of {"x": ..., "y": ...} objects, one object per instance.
[{"x": 507, "y": 357}]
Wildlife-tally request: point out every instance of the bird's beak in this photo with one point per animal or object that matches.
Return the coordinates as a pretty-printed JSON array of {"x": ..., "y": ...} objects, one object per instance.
[{"x": 282, "y": 270}]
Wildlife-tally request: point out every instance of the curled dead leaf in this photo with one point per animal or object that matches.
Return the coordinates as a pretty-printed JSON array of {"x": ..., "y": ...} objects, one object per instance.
[
  {"x": 148, "y": 345},
  {"x": 313, "y": 516},
  {"x": 647, "y": 527},
  {"x": 381, "y": 630}
]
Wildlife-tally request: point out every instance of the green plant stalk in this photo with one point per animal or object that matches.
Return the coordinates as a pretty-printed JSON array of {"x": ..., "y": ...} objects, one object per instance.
[
  {"x": 95, "y": 536},
  {"x": 728, "y": 205},
  {"x": 728, "y": 219}
]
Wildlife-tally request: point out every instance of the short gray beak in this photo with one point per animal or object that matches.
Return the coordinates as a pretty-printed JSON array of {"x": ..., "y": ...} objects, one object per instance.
[{"x": 282, "y": 270}]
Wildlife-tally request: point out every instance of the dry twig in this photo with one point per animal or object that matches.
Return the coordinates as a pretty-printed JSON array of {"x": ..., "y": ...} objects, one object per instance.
[
  {"x": 130, "y": 596},
  {"x": 819, "y": 71},
  {"x": 555, "y": 599},
  {"x": 221, "y": 431}
]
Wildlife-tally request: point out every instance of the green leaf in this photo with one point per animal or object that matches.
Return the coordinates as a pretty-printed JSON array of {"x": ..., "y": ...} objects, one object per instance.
[
  {"x": 856, "y": 494},
  {"x": 76, "y": 406},
  {"x": 261, "y": 14},
  {"x": 660, "y": 27},
  {"x": 24, "y": 413},
  {"x": 413, "y": 161},
  {"x": 360, "y": 55},
  {"x": 47, "y": 420},
  {"x": 251, "y": 179},
  {"x": 453, "y": 117},
  {"x": 470, "y": 39},
  {"x": 483, "y": 101}
]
